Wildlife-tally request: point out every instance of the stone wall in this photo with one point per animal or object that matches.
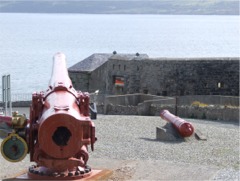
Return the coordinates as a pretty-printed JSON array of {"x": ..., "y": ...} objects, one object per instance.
[
  {"x": 121, "y": 110},
  {"x": 163, "y": 76},
  {"x": 215, "y": 112},
  {"x": 80, "y": 80},
  {"x": 134, "y": 104},
  {"x": 153, "y": 107},
  {"x": 188, "y": 77},
  {"x": 209, "y": 99},
  {"x": 212, "y": 108},
  {"x": 97, "y": 79}
]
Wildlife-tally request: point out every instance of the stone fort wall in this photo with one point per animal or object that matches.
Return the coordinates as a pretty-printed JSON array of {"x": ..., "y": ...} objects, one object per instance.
[
  {"x": 162, "y": 76},
  {"x": 208, "y": 107},
  {"x": 175, "y": 77}
]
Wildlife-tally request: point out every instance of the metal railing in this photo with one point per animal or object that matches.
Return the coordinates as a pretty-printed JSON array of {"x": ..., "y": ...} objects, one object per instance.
[
  {"x": 19, "y": 97},
  {"x": 28, "y": 97}
]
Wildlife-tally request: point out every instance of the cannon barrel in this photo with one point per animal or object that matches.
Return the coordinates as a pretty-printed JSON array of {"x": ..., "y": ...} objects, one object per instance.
[
  {"x": 184, "y": 128},
  {"x": 59, "y": 75},
  {"x": 61, "y": 115},
  {"x": 59, "y": 129}
]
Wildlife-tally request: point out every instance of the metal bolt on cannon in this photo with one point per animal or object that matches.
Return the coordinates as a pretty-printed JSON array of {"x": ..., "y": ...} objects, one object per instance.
[{"x": 58, "y": 132}]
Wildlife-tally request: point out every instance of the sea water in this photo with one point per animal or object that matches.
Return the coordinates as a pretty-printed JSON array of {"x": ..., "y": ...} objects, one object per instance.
[{"x": 29, "y": 41}]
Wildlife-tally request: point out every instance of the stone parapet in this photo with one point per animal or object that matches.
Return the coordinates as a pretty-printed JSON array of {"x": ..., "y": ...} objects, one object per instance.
[{"x": 224, "y": 108}]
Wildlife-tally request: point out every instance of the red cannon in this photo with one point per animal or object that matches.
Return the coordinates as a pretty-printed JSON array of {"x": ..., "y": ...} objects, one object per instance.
[
  {"x": 184, "y": 128},
  {"x": 59, "y": 131}
]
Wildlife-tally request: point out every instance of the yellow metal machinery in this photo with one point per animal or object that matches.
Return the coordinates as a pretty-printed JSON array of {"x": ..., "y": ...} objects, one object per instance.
[{"x": 14, "y": 147}]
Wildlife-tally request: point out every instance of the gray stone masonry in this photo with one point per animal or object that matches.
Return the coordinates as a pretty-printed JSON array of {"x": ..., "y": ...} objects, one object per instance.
[{"x": 162, "y": 76}]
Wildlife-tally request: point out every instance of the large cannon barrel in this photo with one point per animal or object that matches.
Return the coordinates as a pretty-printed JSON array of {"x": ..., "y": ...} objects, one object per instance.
[
  {"x": 61, "y": 115},
  {"x": 63, "y": 122},
  {"x": 184, "y": 128},
  {"x": 59, "y": 129},
  {"x": 59, "y": 75}
]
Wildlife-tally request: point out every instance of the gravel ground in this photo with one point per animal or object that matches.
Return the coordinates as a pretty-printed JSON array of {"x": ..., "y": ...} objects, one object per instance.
[{"x": 134, "y": 138}]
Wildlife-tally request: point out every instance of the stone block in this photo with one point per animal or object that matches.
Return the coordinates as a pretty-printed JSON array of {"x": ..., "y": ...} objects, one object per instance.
[{"x": 167, "y": 133}]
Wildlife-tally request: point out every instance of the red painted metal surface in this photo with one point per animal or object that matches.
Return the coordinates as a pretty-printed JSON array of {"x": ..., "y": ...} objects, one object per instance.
[
  {"x": 60, "y": 128},
  {"x": 6, "y": 120},
  {"x": 184, "y": 128}
]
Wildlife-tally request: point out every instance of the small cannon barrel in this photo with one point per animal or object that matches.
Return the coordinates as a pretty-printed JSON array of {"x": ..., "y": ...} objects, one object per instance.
[{"x": 184, "y": 128}]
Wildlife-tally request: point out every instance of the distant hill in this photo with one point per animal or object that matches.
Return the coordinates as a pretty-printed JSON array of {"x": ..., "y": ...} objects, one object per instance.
[{"x": 201, "y": 7}]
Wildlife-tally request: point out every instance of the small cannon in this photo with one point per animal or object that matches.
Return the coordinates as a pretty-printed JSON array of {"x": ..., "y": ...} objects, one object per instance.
[
  {"x": 16, "y": 121},
  {"x": 58, "y": 133},
  {"x": 184, "y": 128}
]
